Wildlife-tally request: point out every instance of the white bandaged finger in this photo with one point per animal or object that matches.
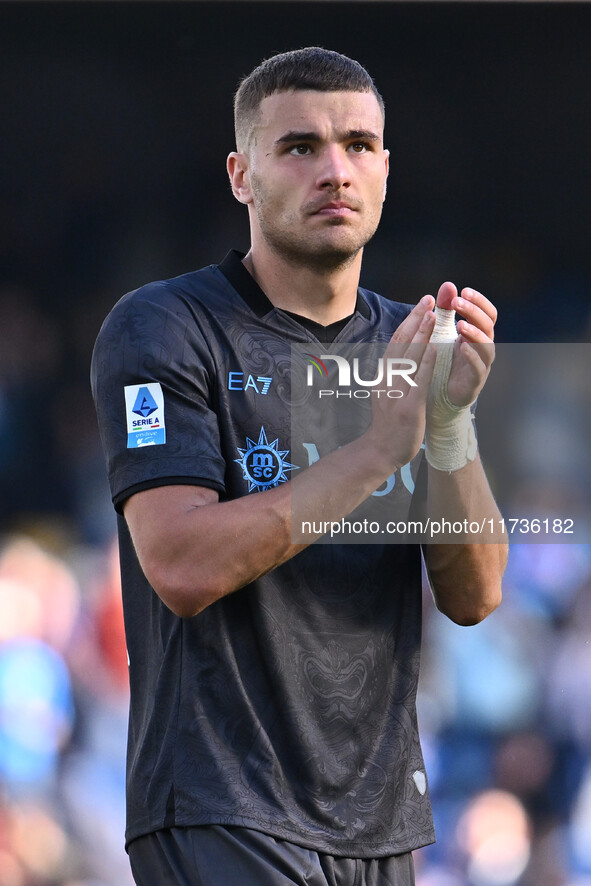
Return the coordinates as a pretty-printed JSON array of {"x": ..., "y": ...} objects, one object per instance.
[{"x": 450, "y": 441}]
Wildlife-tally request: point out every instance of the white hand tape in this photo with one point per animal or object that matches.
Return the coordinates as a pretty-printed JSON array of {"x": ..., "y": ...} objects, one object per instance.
[{"x": 450, "y": 441}]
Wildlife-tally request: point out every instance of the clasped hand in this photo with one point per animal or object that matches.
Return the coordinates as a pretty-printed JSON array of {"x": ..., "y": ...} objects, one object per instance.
[
  {"x": 400, "y": 425},
  {"x": 474, "y": 347}
]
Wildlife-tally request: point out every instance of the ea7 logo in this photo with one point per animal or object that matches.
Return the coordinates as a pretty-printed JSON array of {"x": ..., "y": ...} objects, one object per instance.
[{"x": 240, "y": 381}]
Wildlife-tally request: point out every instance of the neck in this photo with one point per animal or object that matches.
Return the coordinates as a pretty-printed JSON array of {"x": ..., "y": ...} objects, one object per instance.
[{"x": 323, "y": 295}]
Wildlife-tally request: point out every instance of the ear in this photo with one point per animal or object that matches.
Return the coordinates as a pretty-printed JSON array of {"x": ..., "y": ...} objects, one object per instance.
[
  {"x": 387, "y": 162},
  {"x": 237, "y": 166}
]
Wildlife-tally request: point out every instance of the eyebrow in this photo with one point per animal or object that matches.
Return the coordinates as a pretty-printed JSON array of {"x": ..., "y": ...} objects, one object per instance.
[{"x": 297, "y": 136}]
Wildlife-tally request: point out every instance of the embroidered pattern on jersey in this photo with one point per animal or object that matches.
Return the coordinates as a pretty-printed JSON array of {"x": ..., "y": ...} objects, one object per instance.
[
  {"x": 263, "y": 464},
  {"x": 144, "y": 407}
]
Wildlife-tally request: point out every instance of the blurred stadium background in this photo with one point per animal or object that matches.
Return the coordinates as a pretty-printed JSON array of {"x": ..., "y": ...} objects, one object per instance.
[{"x": 116, "y": 119}]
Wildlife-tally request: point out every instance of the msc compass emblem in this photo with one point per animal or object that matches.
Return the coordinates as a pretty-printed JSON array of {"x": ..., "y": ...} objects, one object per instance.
[{"x": 263, "y": 464}]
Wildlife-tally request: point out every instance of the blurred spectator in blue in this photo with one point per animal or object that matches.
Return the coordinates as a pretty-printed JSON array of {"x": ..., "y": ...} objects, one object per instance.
[{"x": 63, "y": 707}]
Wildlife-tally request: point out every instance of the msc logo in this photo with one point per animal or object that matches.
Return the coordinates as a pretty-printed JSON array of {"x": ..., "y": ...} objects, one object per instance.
[
  {"x": 263, "y": 464},
  {"x": 260, "y": 384}
]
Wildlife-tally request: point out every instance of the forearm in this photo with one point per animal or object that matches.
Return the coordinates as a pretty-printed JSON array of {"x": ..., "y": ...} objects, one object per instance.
[
  {"x": 194, "y": 549},
  {"x": 465, "y": 576}
]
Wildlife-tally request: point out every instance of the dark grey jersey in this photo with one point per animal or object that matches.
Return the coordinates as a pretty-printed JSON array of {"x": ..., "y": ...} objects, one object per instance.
[{"x": 288, "y": 706}]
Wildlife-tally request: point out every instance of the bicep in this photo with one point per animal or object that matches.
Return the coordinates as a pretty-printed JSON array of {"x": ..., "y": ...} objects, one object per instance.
[
  {"x": 161, "y": 528},
  {"x": 154, "y": 515}
]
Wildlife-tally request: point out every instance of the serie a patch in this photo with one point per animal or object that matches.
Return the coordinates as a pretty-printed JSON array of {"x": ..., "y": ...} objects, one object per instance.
[{"x": 144, "y": 407}]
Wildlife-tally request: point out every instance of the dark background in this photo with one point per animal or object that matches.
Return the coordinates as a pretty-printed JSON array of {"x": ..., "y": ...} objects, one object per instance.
[{"x": 117, "y": 119}]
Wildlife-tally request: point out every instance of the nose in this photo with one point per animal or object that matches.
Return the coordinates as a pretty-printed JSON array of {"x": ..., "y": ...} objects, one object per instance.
[{"x": 334, "y": 171}]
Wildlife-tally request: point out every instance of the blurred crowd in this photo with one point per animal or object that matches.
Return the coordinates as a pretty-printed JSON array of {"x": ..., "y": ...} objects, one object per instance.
[
  {"x": 505, "y": 710},
  {"x": 504, "y": 707},
  {"x": 63, "y": 712}
]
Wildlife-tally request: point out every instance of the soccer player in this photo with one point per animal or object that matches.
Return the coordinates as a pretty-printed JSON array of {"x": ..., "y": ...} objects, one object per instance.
[{"x": 273, "y": 736}]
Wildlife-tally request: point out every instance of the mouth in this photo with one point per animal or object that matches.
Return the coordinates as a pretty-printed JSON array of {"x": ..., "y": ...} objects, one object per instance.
[{"x": 335, "y": 209}]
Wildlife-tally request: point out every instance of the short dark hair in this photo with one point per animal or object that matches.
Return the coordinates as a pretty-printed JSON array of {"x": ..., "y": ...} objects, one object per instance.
[{"x": 310, "y": 68}]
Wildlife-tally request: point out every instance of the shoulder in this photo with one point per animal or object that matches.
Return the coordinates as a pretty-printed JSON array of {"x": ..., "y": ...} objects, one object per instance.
[
  {"x": 182, "y": 307},
  {"x": 165, "y": 324},
  {"x": 181, "y": 294},
  {"x": 387, "y": 314}
]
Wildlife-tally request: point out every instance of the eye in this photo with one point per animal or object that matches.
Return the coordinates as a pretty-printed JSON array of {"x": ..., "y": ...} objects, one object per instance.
[
  {"x": 359, "y": 147},
  {"x": 300, "y": 150}
]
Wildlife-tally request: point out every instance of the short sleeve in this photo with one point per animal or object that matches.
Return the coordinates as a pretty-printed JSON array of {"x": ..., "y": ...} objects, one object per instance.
[{"x": 153, "y": 381}]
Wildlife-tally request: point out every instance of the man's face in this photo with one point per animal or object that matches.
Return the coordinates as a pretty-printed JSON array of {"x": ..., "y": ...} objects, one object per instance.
[{"x": 316, "y": 176}]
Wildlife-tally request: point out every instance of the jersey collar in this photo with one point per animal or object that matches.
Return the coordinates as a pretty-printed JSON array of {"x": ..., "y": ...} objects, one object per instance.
[{"x": 250, "y": 291}]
